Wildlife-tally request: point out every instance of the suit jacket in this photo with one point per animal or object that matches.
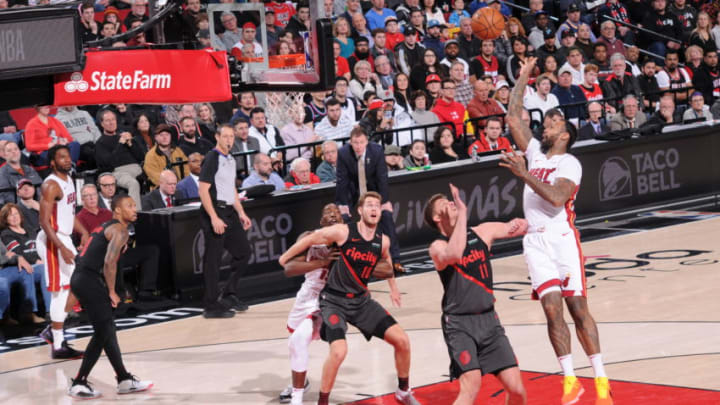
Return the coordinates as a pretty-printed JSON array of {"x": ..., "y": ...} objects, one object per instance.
[
  {"x": 588, "y": 132},
  {"x": 153, "y": 200},
  {"x": 244, "y": 163},
  {"x": 619, "y": 121},
  {"x": 187, "y": 188},
  {"x": 347, "y": 191}
]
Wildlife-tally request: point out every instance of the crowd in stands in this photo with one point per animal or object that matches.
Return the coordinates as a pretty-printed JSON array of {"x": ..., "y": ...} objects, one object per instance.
[{"x": 399, "y": 64}]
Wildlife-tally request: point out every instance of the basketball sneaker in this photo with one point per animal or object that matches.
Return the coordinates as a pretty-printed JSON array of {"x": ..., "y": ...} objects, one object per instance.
[
  {"x": 602, "y": 388},
  {"x": 82, "y": 390},
  {"x": 572, "y": 390},
  {"x": 132, "y": 385},
  {"x": 286, "y": 395},
  {"x": 406, "y": 397},
  {"x": 65, "y": 352}
]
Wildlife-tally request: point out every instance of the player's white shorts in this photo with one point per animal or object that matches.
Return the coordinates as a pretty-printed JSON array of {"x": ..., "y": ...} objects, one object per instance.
[
  {"x": 554, "y": 258},
  {"x": 307, "y": 306},
  {"x": 57, "y": 272}
]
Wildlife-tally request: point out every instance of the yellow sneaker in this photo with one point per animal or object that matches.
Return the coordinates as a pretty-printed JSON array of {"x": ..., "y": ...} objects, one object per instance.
[
  {"x": 602, "y": 387},
  {"x": 572, "y": 390}
]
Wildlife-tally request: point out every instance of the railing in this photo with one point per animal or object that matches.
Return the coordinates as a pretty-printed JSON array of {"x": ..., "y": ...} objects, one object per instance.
[
  {"x": 519, "y": 7},
  {"x": 314, "y": 161},
  {"x": 645, "y": 30}
]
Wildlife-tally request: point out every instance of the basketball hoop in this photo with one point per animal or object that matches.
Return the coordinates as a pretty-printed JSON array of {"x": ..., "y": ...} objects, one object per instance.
[{"x": 278, "y": 104}]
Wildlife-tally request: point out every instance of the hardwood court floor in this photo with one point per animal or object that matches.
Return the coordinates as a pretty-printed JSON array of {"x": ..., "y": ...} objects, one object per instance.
[{"x": 653, "y": 293}]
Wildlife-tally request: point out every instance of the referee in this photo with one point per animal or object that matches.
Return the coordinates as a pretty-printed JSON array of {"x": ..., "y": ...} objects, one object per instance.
[{"x": 224, "y": 223}]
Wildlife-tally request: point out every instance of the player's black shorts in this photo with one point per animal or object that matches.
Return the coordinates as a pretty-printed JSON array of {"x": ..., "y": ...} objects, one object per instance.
[
  {"x": 362, "y": 312},
  {"x": 90, "y": 289},
  {"x": 477, "y": 342}
]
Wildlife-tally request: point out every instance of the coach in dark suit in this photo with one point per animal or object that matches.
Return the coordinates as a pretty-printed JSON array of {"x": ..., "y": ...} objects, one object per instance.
[
  {"x": 368, "y": 156},
  {"x": 164, "y": 195},
  {"x": 187, "y": 188},
  {"x": 595, "y": 125}
]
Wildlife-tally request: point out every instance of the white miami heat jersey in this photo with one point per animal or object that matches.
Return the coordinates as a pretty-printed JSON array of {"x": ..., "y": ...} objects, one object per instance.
[
  {"x": 538, "y": 211},
  {"x": 63, "y": 215},
  {"x": 315, "y": 280}
]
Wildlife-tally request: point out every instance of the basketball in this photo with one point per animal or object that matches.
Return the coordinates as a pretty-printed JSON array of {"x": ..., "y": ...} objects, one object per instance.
[{"x": 488, "y": 23}]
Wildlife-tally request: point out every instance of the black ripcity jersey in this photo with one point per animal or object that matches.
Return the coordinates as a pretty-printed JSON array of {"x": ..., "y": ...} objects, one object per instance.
[
  {"x": 358, "y": 258},
  {"x": 468, "y": 284},
  {"x": 220, "y": 171},
  {"x": 92, "y": 257}
]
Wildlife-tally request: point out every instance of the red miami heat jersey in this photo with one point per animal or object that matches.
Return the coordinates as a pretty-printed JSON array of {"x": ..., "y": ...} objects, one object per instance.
[
  {"x": 358, "y": 258},
  {"x": 63, "y": 215},
  {"x": 468, "y": 284}
]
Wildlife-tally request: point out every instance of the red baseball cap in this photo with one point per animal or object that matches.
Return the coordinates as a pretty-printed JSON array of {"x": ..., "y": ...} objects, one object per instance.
[
  {"x": 432, "y": 78},
  {"x": 375, "y": 104},
  {"x": 248, "y": 25}
]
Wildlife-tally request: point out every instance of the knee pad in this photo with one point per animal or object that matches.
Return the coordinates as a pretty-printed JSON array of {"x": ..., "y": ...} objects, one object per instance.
[{"x": 298, "y": 344}]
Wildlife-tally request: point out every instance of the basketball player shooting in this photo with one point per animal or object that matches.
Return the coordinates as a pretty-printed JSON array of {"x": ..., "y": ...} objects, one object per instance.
[
  {"x": 552, "y": 244},
  {"x": 475, "y": 339},
  {"x": 346, "y": 299}
]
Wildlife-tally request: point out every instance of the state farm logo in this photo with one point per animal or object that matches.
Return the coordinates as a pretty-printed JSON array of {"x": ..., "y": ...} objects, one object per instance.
[
  {"x": 104, "y": 81},
  {"x": 76, "y": 83},
  {"x": 615, "y": 179}
]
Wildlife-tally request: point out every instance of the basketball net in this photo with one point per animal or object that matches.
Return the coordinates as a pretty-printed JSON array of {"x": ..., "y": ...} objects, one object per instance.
[{"x": 279, "y": 104}]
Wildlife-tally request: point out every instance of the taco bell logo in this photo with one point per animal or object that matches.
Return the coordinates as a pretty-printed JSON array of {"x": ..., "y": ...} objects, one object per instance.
[{"x": 615, "y": 179}]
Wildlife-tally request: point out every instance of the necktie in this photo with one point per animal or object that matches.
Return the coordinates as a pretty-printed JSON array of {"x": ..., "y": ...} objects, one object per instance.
[
  {"x": 168, "y": 202},
  {"x": 632, "y": 123},
  {"x": 362, "y": 181}
]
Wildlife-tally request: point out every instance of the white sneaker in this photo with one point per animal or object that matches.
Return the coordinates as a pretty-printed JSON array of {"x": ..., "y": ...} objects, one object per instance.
[
  {"x": 406, "y": 397},
  {"x": 286, "y": 395},
  {"x": 132, "y": 385},
  {"x": 82, "y": 390}
]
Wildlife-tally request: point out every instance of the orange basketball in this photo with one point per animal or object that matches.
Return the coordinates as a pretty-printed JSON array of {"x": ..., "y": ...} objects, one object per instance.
[{"x": 488, "y": 23}]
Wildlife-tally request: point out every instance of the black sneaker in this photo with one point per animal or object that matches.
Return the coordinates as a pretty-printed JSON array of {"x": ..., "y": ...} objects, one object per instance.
[
  {"x": 218, "y": 313},
  {"x": 82, "y": 390},
  {"x": 47, "y": 335},
  {"x": 66, "y": 352},
  {"x": 233, "y": 303}
]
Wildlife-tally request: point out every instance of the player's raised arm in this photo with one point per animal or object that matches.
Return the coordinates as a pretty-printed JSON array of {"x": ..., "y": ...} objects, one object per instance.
[
  {"x": 324, "y": 236},
  {"x": 445, "y": 253},
  {"x": 490, "y": 231},
  {"x": 518, "y": 129}
]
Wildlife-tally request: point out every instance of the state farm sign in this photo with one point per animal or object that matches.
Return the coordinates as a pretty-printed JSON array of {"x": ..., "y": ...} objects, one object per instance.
[{"x": 147, "y": 77}]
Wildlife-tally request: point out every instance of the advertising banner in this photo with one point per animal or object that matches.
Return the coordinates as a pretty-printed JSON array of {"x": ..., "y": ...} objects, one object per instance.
[{"x": 146, "y": 77}]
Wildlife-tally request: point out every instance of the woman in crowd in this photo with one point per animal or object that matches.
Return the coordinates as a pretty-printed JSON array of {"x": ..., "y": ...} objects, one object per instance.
[
  {"x": 142, "y": 130},
  {"x": 432, "y": 12},
  {"x": 514, "y": 28},
  {"x": 420, "y": 112},
  {"x": 21, "y": 263},
  {"x": 378, "y": 118},
  {"x": 364, "y": 79},
  {"x": 701, "y": 35},
  {"x": 693, "y": 59},
  {"x": 444, "y": 149},
  {"x": 519, "y": 47},
  {"x": 429, "y": 65},
  {"x": 342, "y": 67},
  {"x": 112, "y": 15},
  {"x": 550, "y": 68},
  {"x": 207, "y": 120},
  {"x": 342, "y": 34},
  {"x": 401, "y": 85},
  {"x": 502, "y": 94}
]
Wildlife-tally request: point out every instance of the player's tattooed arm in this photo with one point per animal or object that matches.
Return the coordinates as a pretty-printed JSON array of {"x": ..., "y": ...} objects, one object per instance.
[
  {"x": 519, "y": 130},
  {"x": 118, "y": 236},
  {"x": 556, "y": 194}
]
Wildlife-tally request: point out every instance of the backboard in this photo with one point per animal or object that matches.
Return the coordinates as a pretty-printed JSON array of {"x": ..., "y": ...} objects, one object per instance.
[{"x": 301, "y": 61}]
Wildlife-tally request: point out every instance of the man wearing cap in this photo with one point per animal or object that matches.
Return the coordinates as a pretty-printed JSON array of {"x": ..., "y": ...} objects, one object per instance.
[
  {"x": 449, "y": 110},
  {"x": 452, "y": 55},
  {"x": 486, "y": 63},
  {"x": 537, "y": 34},
  {"x": 432, "y": 88},
  {"x": 377, "y": 14},
  {"x": 29, "y": 205},
  {"x": 393, "y": 158},
  {"x": 432, "y": 40},
  {"x": 393, "y": 36},
  {"x": 13, "y": 171},
  {"x": 379, "y": 48},
  {"x": 568, "y": 93},
  {"x": 470, "y": 45},
  {"x": 248, "y": 37},
  {"x": 529, "y": 19},
  {"x": 162, "y": 154},
  {"x": 409, "y": 52},
  {"x": 567, "y": 42},
  {"x": 573, "y": 22}
]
